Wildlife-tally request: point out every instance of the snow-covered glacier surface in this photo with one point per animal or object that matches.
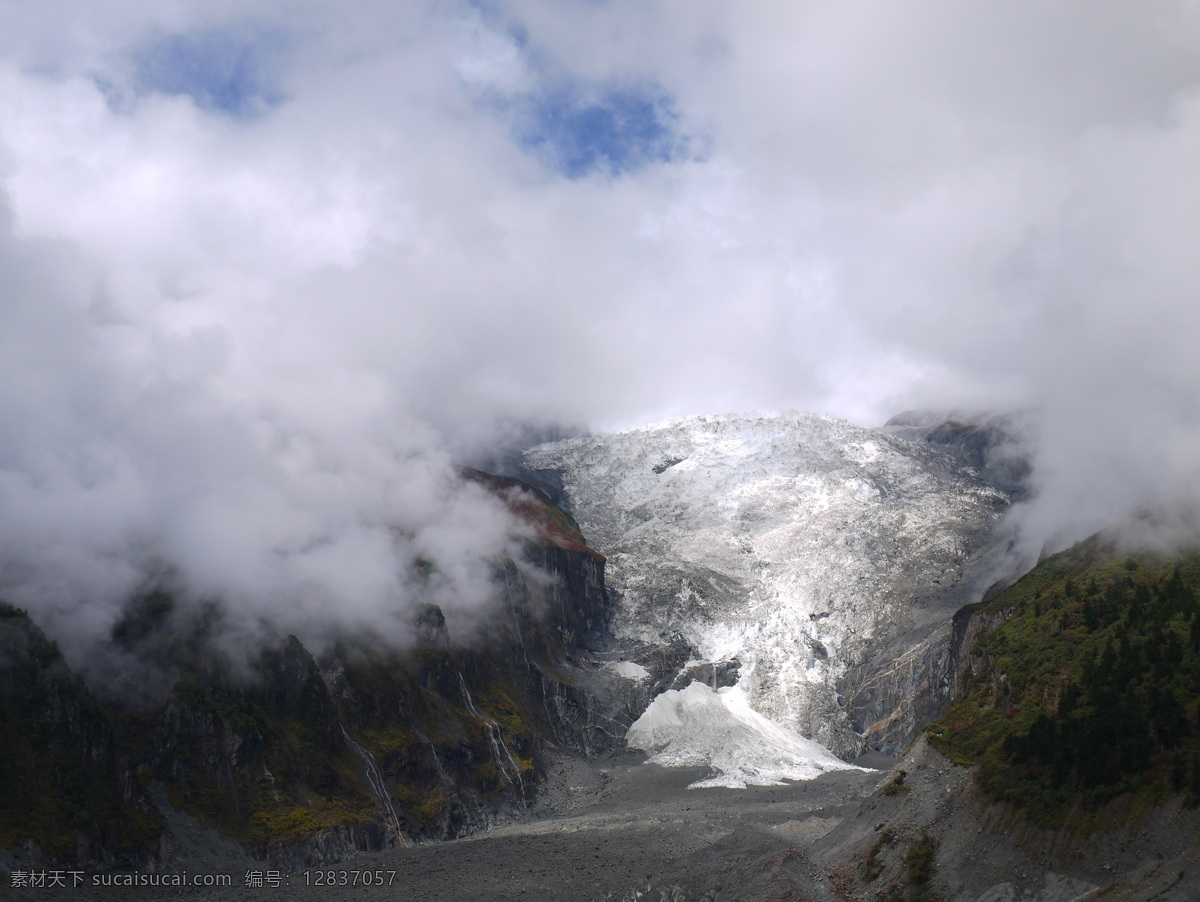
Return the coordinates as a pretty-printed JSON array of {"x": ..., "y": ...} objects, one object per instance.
[
  {"x": 717, "y": 728},
  {"x": 796, "y": 545}
]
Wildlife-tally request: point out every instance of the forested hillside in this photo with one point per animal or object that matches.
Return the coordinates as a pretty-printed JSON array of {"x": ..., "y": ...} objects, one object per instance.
[{"x": 1089, "y": 690}]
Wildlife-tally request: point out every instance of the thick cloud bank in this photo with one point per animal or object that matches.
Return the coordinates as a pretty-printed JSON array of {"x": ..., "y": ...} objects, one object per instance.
[
  {"x": 266, "y": 269},
  {"x": 131, "y": 460}
]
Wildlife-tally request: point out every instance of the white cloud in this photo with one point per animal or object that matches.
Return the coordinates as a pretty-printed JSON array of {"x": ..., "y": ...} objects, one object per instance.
[{"x": 227, "y": 335}]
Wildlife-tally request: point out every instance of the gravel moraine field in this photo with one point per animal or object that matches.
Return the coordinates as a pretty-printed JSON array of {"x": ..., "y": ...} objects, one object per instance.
[{"x": 601, "y": 830}]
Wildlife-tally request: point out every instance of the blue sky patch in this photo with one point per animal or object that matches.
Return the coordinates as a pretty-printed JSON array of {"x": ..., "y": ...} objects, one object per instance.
[
  {"x": 608, "y": 129},
  {"x": 233, "y": 70}
]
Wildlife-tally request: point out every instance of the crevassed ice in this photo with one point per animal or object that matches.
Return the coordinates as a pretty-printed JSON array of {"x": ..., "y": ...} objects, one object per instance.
[
  {"x": 699, "y": 726},
  {"x": 797, "y": 544}
]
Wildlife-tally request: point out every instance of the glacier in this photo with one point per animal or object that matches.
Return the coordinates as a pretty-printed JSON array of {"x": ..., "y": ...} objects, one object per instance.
[
  {"x": 717, "y": 728},
  {"x": 799, "y": 546}
]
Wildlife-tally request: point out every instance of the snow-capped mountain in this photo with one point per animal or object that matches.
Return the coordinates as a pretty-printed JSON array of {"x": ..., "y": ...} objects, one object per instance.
[{"x": 797, "y": 546}]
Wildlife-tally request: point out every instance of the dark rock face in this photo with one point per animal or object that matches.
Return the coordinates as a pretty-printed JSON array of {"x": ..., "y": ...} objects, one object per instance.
[
  {"x": 262, "y": 758},
  {"x": 68, "y": 791},
  {"x": 458, "y": 732},
  {"x": 992, "y": 447},
  {"x": 303, "y": 761},
  {"x": 892, "y": 702}
]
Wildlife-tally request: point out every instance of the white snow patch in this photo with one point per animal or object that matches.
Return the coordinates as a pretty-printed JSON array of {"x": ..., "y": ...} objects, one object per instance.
[
  {"x": 700, "y": 726},
  {"x": 629, "y": 669}
]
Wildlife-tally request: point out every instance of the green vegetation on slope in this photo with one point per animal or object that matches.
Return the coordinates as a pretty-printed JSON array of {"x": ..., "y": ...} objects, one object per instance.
[
  {"x": 1089, "y": 690},
  {"x": 413, "y": 714},
  {"x": 266, "y": 771}
]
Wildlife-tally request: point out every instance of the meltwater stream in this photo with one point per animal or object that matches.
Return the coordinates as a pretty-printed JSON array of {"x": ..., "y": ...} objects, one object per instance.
[{"x": 378, "y": 788}]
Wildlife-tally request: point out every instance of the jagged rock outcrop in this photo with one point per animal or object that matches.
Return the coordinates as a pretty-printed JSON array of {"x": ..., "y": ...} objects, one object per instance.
[{"x": 994, "y": 446}]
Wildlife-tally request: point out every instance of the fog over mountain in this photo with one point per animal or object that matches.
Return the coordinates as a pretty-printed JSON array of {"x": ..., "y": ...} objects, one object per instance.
[{"x": 269, "y": 270}]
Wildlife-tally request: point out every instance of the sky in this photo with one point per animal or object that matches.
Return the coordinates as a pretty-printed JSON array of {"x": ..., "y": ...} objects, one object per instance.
[{"x": 267, "y": 270}]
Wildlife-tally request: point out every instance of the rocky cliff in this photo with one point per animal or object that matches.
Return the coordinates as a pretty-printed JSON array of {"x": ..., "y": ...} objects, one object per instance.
[
  {"x": 69, "y": 791},
  {"x": 301, "y": 758}
]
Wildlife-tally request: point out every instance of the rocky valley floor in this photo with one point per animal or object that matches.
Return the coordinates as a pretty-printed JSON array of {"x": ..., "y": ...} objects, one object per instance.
[
  {"x": 617, "y": 830},
  {"x": 602, "y": 830}
]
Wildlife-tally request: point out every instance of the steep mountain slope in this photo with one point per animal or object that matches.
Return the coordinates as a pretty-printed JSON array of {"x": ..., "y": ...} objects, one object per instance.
[
  {"x": 799, "y": 555},
  {"x": 305, "y": 759},
  {"x": 66, "y": 788},
  {"x": 1088, "y": 689},
  {"x": 1068, "y": 763}
]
